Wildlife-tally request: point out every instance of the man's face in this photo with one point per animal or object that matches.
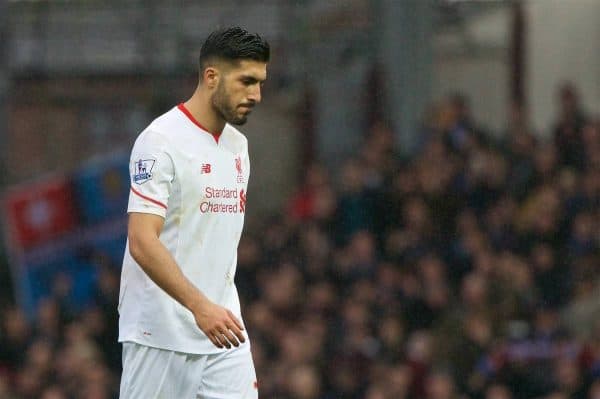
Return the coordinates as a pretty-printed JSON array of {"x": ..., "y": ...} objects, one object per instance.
[{"x": 239, "y": 90}]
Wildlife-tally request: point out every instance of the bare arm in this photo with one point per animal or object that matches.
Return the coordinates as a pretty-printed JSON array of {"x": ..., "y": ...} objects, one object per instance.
[{"x": 218, "y": 323}]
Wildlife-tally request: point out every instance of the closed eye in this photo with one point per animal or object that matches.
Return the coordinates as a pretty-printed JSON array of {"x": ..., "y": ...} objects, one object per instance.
[{"x": 249, "y": 81}]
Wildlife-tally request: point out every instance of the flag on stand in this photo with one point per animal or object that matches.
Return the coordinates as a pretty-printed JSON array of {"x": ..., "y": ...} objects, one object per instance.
[{"x": 39, "y": 212}]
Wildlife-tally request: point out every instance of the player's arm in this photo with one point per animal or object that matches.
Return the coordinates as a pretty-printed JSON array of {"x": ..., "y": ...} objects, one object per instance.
[{"x": 218, "y": 323}]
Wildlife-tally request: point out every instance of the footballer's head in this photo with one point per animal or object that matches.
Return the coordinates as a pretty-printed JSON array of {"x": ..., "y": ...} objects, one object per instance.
[{"x": 233, "y": 67}]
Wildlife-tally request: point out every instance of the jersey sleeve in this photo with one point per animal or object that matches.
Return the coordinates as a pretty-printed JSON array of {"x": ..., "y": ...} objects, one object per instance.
[{"x": 152, "y": 173}]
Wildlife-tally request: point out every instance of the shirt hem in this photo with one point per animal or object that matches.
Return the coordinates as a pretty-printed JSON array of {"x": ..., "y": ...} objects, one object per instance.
[
  {"x": 184, "y": 349},
  {"x": 154, "y": 211}
]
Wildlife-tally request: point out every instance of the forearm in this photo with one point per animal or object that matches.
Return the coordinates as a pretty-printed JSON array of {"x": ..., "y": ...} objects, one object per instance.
[{"x": 156, "y": 261}]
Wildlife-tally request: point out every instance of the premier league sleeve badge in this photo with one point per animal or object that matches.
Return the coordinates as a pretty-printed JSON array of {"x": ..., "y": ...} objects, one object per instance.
[{"x": 142, "y": 170}]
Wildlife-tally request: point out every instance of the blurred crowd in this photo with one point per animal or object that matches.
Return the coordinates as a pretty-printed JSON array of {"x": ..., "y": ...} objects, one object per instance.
[
  {"x": 457, "y": 272},
  {"x": 68, "y": 350}
]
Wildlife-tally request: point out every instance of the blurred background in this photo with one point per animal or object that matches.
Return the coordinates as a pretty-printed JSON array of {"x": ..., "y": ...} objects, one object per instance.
[{"x": 423, "y": 215}]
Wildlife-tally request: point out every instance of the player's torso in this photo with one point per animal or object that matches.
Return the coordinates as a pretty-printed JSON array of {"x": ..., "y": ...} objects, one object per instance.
[
  {"x": 203, "y": 223},
  {"x": 211, "y": 179}
]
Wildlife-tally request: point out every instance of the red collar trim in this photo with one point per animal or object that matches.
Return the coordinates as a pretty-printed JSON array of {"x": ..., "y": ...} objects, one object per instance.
[{"x": 187, "y": 113}]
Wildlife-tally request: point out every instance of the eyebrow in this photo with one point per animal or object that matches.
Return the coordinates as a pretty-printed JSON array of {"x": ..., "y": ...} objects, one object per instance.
[{"x": 251, "y": 77}]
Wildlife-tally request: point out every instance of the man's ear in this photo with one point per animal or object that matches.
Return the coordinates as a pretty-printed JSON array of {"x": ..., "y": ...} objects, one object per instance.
[{"x": 211, "y": 77}]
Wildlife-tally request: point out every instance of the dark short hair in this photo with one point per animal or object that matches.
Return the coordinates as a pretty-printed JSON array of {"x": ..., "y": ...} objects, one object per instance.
[{"x": 233, "y": 44}]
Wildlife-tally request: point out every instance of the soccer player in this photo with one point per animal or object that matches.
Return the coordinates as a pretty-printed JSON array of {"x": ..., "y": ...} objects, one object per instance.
[{"x": 180, "y": 321}]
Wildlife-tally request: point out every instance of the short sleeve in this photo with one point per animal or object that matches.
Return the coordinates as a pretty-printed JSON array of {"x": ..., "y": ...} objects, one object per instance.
[{"x": 152, "y": 173}]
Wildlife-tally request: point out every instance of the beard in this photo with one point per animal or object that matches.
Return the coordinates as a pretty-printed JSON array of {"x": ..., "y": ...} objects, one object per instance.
[{"x": 221, "y": 103}]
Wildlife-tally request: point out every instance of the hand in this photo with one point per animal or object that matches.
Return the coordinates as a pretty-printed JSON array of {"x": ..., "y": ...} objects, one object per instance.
[{"x": 220, "y": 325}]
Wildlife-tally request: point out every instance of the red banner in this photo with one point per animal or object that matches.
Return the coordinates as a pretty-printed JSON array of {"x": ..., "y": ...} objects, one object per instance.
[{"x": 40, "y": 211}]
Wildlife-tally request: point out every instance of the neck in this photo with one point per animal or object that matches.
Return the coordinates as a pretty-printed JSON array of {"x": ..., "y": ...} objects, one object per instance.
[{"x": 199, "y": 105}]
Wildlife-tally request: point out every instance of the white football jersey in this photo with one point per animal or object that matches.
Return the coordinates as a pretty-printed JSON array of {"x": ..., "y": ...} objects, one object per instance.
[{"x": 197, "y": 182}]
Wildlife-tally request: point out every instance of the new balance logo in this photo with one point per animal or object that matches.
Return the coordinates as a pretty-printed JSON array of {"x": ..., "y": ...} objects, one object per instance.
[{"x": 205, "y": 168}]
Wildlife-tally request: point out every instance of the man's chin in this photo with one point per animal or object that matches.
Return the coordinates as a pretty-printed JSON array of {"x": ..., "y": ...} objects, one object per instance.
[{"x": 239, "y": 121}]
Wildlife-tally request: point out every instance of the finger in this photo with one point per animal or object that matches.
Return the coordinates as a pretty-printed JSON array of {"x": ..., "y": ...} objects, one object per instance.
[
  {"x": 235, "y": 320},
  {"x": 231, "y": 338},
  {"x": 213, "y": 338},
  {"x": 226, "y": 343},
  {"x": 238, "y": 333},
  {"x": 218, "y": 338},
  {"x": 226, "y": 338}
]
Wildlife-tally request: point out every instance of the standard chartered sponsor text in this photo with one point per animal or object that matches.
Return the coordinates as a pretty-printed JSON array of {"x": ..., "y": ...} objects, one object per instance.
[
  {"x": 208, "y": 206},
  {"x": 211, "y": 192},
  {"x": 218, "y": 207}
]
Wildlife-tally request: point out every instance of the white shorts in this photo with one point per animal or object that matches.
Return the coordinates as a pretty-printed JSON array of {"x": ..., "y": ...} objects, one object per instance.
[{"x": 152, "y": 373}]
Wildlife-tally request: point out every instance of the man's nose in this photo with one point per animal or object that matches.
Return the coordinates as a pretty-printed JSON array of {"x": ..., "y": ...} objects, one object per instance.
[{"x": 254, "y": 94}]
